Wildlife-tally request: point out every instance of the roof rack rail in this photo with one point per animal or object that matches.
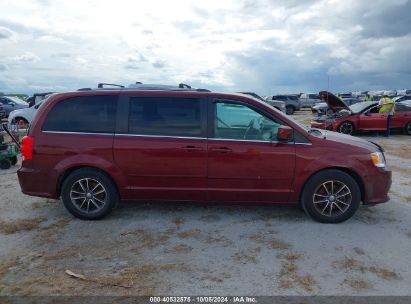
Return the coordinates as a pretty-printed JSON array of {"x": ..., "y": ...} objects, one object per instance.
[
  {"x": 184, "y": 86},
  {"x": 84, "y": 89},
  {"x": 101, "y": 85},
  {"x": 202, "y": 90}
]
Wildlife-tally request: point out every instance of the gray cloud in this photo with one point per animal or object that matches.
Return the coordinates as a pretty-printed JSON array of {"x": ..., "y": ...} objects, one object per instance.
[
  {"x": 3, "y": 67},
  {"x": 5, "y": 33},
  {"x": 159, "y": 63}
]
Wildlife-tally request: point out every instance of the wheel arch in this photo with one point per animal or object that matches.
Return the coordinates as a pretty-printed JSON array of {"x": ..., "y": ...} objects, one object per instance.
[
  {"x": 70, "y": 170},
  {"x": 350, "y": 172},
  {"x": 344, "y": 121}
]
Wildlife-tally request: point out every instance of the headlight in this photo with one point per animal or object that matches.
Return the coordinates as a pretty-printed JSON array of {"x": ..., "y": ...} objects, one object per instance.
[{"x": 378, "y": 159}]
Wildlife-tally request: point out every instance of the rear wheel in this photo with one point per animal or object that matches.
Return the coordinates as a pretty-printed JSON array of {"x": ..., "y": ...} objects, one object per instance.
[
  {"x": 5, "y": 163},
  {"x": 346, "y": 128},
  {"x": 407, "y": 128},
  {"x": 89, "y": 194},
  {"x": 331, "y": 196},
  {"x": 21, "y": 122},
  {"x": 289, "y": 110}
]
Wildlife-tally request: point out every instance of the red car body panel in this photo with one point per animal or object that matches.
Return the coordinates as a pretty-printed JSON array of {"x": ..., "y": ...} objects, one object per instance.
[
  {"x": 161, "y": 168},
  {"x": 371, "y": 122}
]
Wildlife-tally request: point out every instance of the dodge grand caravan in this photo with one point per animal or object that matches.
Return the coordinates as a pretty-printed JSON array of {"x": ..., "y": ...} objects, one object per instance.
[{"x": 93, "y": 148}]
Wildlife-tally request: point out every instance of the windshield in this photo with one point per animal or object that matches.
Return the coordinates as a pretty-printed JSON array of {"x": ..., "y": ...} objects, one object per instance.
[
  {"x": 361, "y": 106},
  {"x": 289, "y": 117},
  {"x": 17, "y": 100}
]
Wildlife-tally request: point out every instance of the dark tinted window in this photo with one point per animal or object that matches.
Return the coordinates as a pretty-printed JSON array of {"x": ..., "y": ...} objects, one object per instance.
[
  {"x": 402, "y": 108},
  {"x": 93, "y": 114},
  {"x": 313, "y": 96},
  {"x": 167, "y": 116}
]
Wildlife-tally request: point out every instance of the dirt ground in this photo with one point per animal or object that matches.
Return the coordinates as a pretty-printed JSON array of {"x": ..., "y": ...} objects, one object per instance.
[{"x": 172, "y": 249}]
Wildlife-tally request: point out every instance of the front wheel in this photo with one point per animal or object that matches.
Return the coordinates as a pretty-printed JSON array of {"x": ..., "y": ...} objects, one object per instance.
[
  {"x": 346, "y": 128},
  {"x": 89, "y": 194},
  {"x": 407, "y": 128},
  {"x": 331, "y": 196}
]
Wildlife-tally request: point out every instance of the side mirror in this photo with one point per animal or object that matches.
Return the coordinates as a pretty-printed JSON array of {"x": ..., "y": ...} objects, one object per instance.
[{"x": 284, "y": 134}]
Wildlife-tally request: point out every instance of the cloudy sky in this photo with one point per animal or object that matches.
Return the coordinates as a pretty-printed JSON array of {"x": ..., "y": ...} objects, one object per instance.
[{"x": 263, "y": 46}]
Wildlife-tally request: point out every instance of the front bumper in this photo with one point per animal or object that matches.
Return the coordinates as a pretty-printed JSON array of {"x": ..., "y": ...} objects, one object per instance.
[{"x": 377, "y": 187}]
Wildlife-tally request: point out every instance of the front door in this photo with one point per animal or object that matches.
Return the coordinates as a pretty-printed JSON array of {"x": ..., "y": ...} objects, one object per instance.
[
  {"x": 373, "y": 120},
  {"x": 162, "y": 152},
  {"x": 245, "y": 162}
]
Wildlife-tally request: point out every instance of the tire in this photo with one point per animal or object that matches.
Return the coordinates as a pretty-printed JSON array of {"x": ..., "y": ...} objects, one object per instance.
[
  {"x": 21, "y": 122},
  {"x": 331, "y": 196},
  {"x": 5, "y": 164},
  {"x": 346, "y": 127},
  {"x": 407, "y": 128},
  {"x": 13, "y": 160},
  {"x": 90, "y": 206},
  {"x": 289, "y": 110}
]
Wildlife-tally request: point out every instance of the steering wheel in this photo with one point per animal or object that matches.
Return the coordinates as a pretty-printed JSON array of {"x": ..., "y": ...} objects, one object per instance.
[{"x": 249, "y": 127}]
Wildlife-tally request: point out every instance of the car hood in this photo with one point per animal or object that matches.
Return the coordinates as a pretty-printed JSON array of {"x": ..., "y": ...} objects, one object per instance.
[
  {"x": 333, "y": 102},
  {"x": 351, "y": 140}
]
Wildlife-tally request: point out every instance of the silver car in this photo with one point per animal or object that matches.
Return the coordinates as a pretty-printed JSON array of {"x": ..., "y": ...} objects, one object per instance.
[{"x": 11, "y": 103}]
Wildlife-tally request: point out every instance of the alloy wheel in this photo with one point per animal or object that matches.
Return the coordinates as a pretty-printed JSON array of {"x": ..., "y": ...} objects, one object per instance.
[
  {"x": 88, "y": 195},
  {"x": 346, "y": 128},
  {"x": 332, "y": 198}
]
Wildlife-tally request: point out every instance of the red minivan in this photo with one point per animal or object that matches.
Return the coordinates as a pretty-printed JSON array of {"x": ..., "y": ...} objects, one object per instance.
[{"x": 96, "y": 147}]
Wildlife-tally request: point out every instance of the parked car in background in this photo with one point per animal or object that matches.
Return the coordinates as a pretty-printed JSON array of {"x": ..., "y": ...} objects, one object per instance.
[
  {"x": 23, "y": 117},
  {"x": 406, "y": 102},
  {"x": 390, "y": 93},
  {"x": 292, "y": 102},
  {"x": 94, "y": 148},
  {"x": 2, "y": 112},
  {"x": 401, "y": 98},
  {"x": 362, "y": 116},
  {"x": 308, "y": 100},
  {"x": 403, "y": 92},
  {"x": 11, "y": 103},
  {"x": 37, "y": 98},
  {"x": 323, "y": 109},
  {"x": 278, "y": 104}
]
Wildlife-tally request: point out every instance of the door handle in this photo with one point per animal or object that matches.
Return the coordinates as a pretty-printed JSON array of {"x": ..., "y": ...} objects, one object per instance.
[
  {"x": 192, "y": 148},
  {"x": 222, "y": 149}
]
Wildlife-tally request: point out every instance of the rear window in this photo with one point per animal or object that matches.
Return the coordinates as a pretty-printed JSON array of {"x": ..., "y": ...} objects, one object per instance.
[
  {"x": 166, "y": 116},
  {"x": 88, "y": 114}
]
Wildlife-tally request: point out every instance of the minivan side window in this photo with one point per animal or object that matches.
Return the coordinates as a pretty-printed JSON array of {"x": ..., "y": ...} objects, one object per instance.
[
  {"x": 165, "y": 116},
  {"x": 237, "y": 121},
  {"x": 84, "y": 114}
]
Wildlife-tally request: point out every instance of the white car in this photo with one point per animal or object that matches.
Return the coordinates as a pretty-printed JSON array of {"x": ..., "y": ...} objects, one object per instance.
[
  {"x": 23, "y": 117},
  {"x": 309, "y": 100}
]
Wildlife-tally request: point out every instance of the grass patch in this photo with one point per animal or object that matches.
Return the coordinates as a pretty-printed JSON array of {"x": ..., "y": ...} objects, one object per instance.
[
  {"x": 289, "y": 276},
  {"x": 350, "y": 264},
  {"x": 193, "y": 233},
  {"x": 21, "y": 225},
  {"x": 357, "y": 284}
]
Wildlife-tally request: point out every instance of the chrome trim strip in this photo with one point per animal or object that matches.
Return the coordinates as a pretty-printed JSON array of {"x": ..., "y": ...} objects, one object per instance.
[
  {"x": 166, "y": 136},
  {"x": 77, "y": 133},
  {"x": 159, "y": 136}
]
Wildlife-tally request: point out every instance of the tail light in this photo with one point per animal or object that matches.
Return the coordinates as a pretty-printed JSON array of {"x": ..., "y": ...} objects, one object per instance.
[{"x": 27, "y": 144}]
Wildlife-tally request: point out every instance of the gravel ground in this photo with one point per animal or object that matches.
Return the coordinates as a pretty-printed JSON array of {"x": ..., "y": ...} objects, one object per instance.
[{"x": 176, "y": 249}]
